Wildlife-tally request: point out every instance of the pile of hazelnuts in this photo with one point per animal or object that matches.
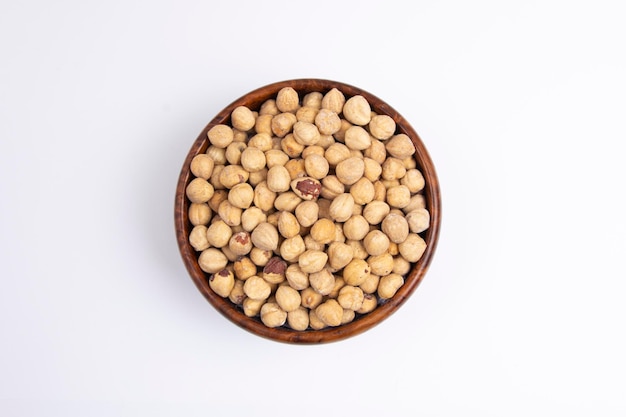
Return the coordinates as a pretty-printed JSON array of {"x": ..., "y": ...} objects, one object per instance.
[{"x": 307, "y": 212}]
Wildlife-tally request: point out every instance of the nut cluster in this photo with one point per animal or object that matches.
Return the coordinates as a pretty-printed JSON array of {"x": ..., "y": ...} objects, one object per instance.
[{"x": 308, "y": 211}]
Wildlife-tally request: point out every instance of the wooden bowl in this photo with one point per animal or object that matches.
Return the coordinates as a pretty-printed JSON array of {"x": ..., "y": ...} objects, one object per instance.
[{"x": 431, "y": 192}]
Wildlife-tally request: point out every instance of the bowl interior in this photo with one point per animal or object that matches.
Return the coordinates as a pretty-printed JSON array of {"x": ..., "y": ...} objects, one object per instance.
[{"x": 253, "y": 100}]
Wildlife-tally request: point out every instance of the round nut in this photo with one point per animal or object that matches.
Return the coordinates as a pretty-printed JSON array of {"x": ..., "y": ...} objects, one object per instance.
[
  {"x": 265, "y": 237},
  {"x": 330, "y": 312},
  {"x": 242, "y": 118},
  {"x": 272, "y": 315},
  {"x": 357, "y": 110},
  {"x": 202, "y": 166},
  {"x": 199, "y": 190},
  {"x": 220, "y": 136},
  {"x": 257, "y": 288},
  {"x": 222, "y": 282},
  {"x": 412, "y": 248},
  {"x": 306, "y": 188},
  {"x": 288, "y": 298},
  {"x": 212, "y": 260},
  {"x": 382, "y": 126},
  {"x": 418, "y": 219},
  {"x": 350, "y": 170},
  {"x": 389, "y": 285},
  {"x": 395, "y": 227},
  {"x": 356, "y": 272}
]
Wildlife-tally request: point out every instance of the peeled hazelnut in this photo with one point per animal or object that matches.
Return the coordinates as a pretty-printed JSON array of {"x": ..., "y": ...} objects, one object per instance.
[
  {"x": 357, "y": 110},
  {"x": 282, "y": 123},
  {"x": 327, "y": 122},
  {"x": 312, "y": 261},
  {"x": 336, "y": 153},
  {"x": 288, "y": 225},
  {"x": 296, "y": 278},
  {"x": 357, "y": 138},
  {"x": 332, "y": 187},
  {"x": 382, "y": 126},
  {"x": 252, "y": 307},
  {"x": 389, "y": 285},
  {"x": 333, "y": 100},
  {"x": 292, "y": 248},
  {"x": 236, "y": 295},
  {"x": 350, "y": 297},
  {"x": 323, "y": 231},
  {"x": 339, "y": 255},
  {"x": 395, "y": 227},
  {"x": 412, "y": 248},
  {"x": 375, "y": 211},
  {"x": 307, "y": 213},
  {"x": 287, "y": 201},
  {"x": 265, "y": 237},
  {"x": 370, "y": 285},
  {"x": 342, "y": 207},
  {"x": 212, "y": 260},
  {"x": 198, "y": 239},
  {"x": 356, "y": 228},
  {"x": 298, "y": 319},
  {"x": 233, "y": 152},
  {"x": 222, "y": 282},
  {"x": 401, "y": 266},
  {"x": 232, "y": 175},
  {"x": 241, "y": 195},
  {"x": 398, "y": 196},
  {"x": 306, "y": 188},
  {"x": 414, "y": 180},
  {"x": 257, "y": 288},
  {"x": 252, "y": 159},
  {"x": 400, "y": 146},
  {"x": 276, "y": 157},
  {"x": 350, "y": 170},
  {"x": 230, "y": 214},
  {"x": 272, "y": 315},
  {"x": 418, "y": 219},
  {"x": 417, "y": 201},
  {"x": 369, "y": 304},
  {"x": 262, "y": 142},
  {"x": 291, "y": 146},
  {"x": 199, "y": 214},
  {"x": 310, "y": 298},
  {"x": 380, "y": 264},
  {"x": 356, "y": 272},
  {"x": 242, "y": 118},
  {"x": 251, "y": 218},
  {"x": 306, "y": 114},
  {"x": 199, "y": 190},
  {"x": 376, "y": 242},
  {"x": 218, "y": 234},
  {"x": 306, "y": 133},
  {"x": 330, "y": 312},
  {"x": 278, "y": 179},
  {"x": 322, "y": 281},
  {"x": 315, "y": 322},
  {"x": 260, "y": 257},
  {"x": 202, "y": 166},
  {"x": 313, "y": 99},
  {"x": 220, "y": 136},
  {"x": 316, "y": 166},
  {"x": 287, "y": 100}
]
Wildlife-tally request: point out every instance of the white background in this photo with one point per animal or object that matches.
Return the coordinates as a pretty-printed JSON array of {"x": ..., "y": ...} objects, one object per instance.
[{"x": 522, "y": 106}]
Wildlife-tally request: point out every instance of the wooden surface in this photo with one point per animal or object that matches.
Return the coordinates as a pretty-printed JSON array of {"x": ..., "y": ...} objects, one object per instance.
[{"x": 283, "y": 334}]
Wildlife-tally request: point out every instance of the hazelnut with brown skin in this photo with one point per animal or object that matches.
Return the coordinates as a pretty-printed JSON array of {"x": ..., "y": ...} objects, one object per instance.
[
  {"x": 222, "y": 282},
  {"x": 306, "y": 188},
  {"x": 274, "y": 270}
]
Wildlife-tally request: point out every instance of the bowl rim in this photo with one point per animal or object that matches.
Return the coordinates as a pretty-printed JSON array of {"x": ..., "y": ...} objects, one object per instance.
[{"x": 431, "y": 190}]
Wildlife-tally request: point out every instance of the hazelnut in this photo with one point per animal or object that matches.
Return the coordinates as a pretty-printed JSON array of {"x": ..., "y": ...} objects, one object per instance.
[
  {"x": 316, "y": 166},
  {"x": 292, "y": 248},
  {"x": 310, "y": 298},
  {"x": 362, "y": 191},
  {"x": 251, "y": 218},
  {"x": 290, "y": 146},
  {"x": 240, "y": 243},
  {"x": 288, "y": 225},
  {"x": 287, "y": 100},
  {"x": 400, "y": 146},
  {"x": 313, "y": 99},
  {"x": 414, "y": 180},
  {"x": 199, "y": 190},
  {"x": 265, "y": 237},
  {"x": 202, "y": 166},
  {"x": 222, "y": 282},
  {"x": 306, "y": 114},
  {"x": 236, "y": 295},
  {"x": 357, "y": 138},
  {"x": 323, "y": 231},
  {"x": 296, "y": 278},
  {"x": 369, "y": 304},
  {"x": 339, "y": 255},
  {"x": 307, "y": 213},
  {"x": 276, "y": 157},
  {"x": 356, "y": 227},
  {"x": 261, "y": 141},
  {"x": 350, "y": 170},
  {"x": 298, "y": 319},
  {"x": 381, "y": 264},
  {"x": 278, "y": 179},
  {"x": 282, "y": 124},
  {"x": 350, "y": 297},
  {"x": 382, "y": 126},
  {"x": 244, "y": 268},
  {"x": 232, "y": 175},
  {"x": 376, "y": 242},
  {"x": 218, "y": 234},
  {"x": 327, "y": 122},
  {"x": 220, "y": 136},
  {"x": 330, "y": 312},
  {"x": 241, "y": 195},
  {"x": 375, "y": 211},
  {"x": 242, "y": 118},
  {"x": 370, "y": 285},
  {"x": 287, "y": 201},
  {"x": 257, "y": 288},
  {"x": 341, "y": 207},
  {"x": 230, "y": 214},
  {"x": 322, "y": 281},
  {"x": 306, "y": 188},
  {"x": 272, "y": 315},
  {"x": 253, "y": 159},
  {"x": 356, "y": 272},
  {"x": 332, "y": 187},
  {"x": 306, "y": 133},
  {"x": 398, "y": 196},
  {"x": 418, "y": 220},
  {"x": 312, "y": 261},
  {"x": 412, "y": 248},
  {"x": 252, "y": 307},
  {"x": 395, "y": 227},
  {"x": 198, "y": 239},
  {"x": 389, "y": 285},
  {"x": 212, "y": 260},
  {"x": 333, "y": 100},
  {"x": 233, "y": 152},
  {"x": 357, "y": 110},
  {"x": 199, "y": 214}
]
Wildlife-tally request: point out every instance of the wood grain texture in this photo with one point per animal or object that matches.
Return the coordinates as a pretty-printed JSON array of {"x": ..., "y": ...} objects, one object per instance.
[{"x": 431, "y": 191}]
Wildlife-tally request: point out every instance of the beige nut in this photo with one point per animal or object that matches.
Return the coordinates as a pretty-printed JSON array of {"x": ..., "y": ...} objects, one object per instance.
[
  {"x": 199, "y": 213},
  {"x": 323, "y": 231},
  {"x": 356, "y": 228},
  {"x": 322, "y": 281},
  {"x": 327, "y": 122},
  {"x": 253, "y": 159},
  {"x": 342, "y": 207},
  {"x": 251, "y": 218},
  {"x": 212, "y": 260},
  {"x": 306, "y": 114},
  {"x": 376, "y": 242},
  {"x": 307, "y": 213},
  {"x": 257, "y": 288},
  {"x": 369, "y": 304},
  {"x": 265, "y": 237},
  {"x": 242, "y": 118},
  {"x": 218, "y": 233},
  {"x": 350, "y": 297},
  {"x": 287, "y": 100},
  {"x": 220, "y": 136},
  {"x": 398, "y": 196},
  {"x": 252, "y": 307},
  {"x": 381, "y": 264},
  {"x": 356, "y": 272},
  {"x": 288, "y": 225},
  {"x": 350, "y": 170},
  {"x": 357, "y": 110},
  {"x": 333, "y": 100},
  {"x": 240, "y": 243},
  {"x": 336, "y": 153},
  {"x": 414, "y": 180},
  {"x": 292, "y": 248},
  {"x": 230, "y": 214},
  {"x": 400, "y": 146},
  {"x": 375, "y": 211},
  {"x": 232, "y": 175},
  {"x": 202, "y": 166},
  {"x": 244, "y": 268},
  {"x": 233, "y": 152},
  {"x": 339, "y": 255},
  {"x": 296, "y": 278},
  {"x": 316, "y": 166},
  {"x": 412, "y": 248},
  {"x": 278, "y": 179},
  {"x": 272, "y": 315},
  {"x": 389, "y": 285},
  {"x": 330, "y": 312},
  {"x": 312, "y": 261},
  {"x": 310, "y": 298},
  {"x": 241, "y": 195},
  {"x": 236, "y": 295},
  {"x": 199, "y": 190},
  {"x": 282, "y": 124},
  {"x": 395, "y": 227},
  {"x": 198, "y": 239},
  {"x": 418, "y": 220},
  {"x": 287, "y": 201},
  {"x": 357, "y": 138},
  {"x": 222, "y": 282},
  {"x": 313, "y": 99},
  {"x": 274, "y": 270},
  {"x": 298, "y": 319},
  {"x": 382, "y": 126}
]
